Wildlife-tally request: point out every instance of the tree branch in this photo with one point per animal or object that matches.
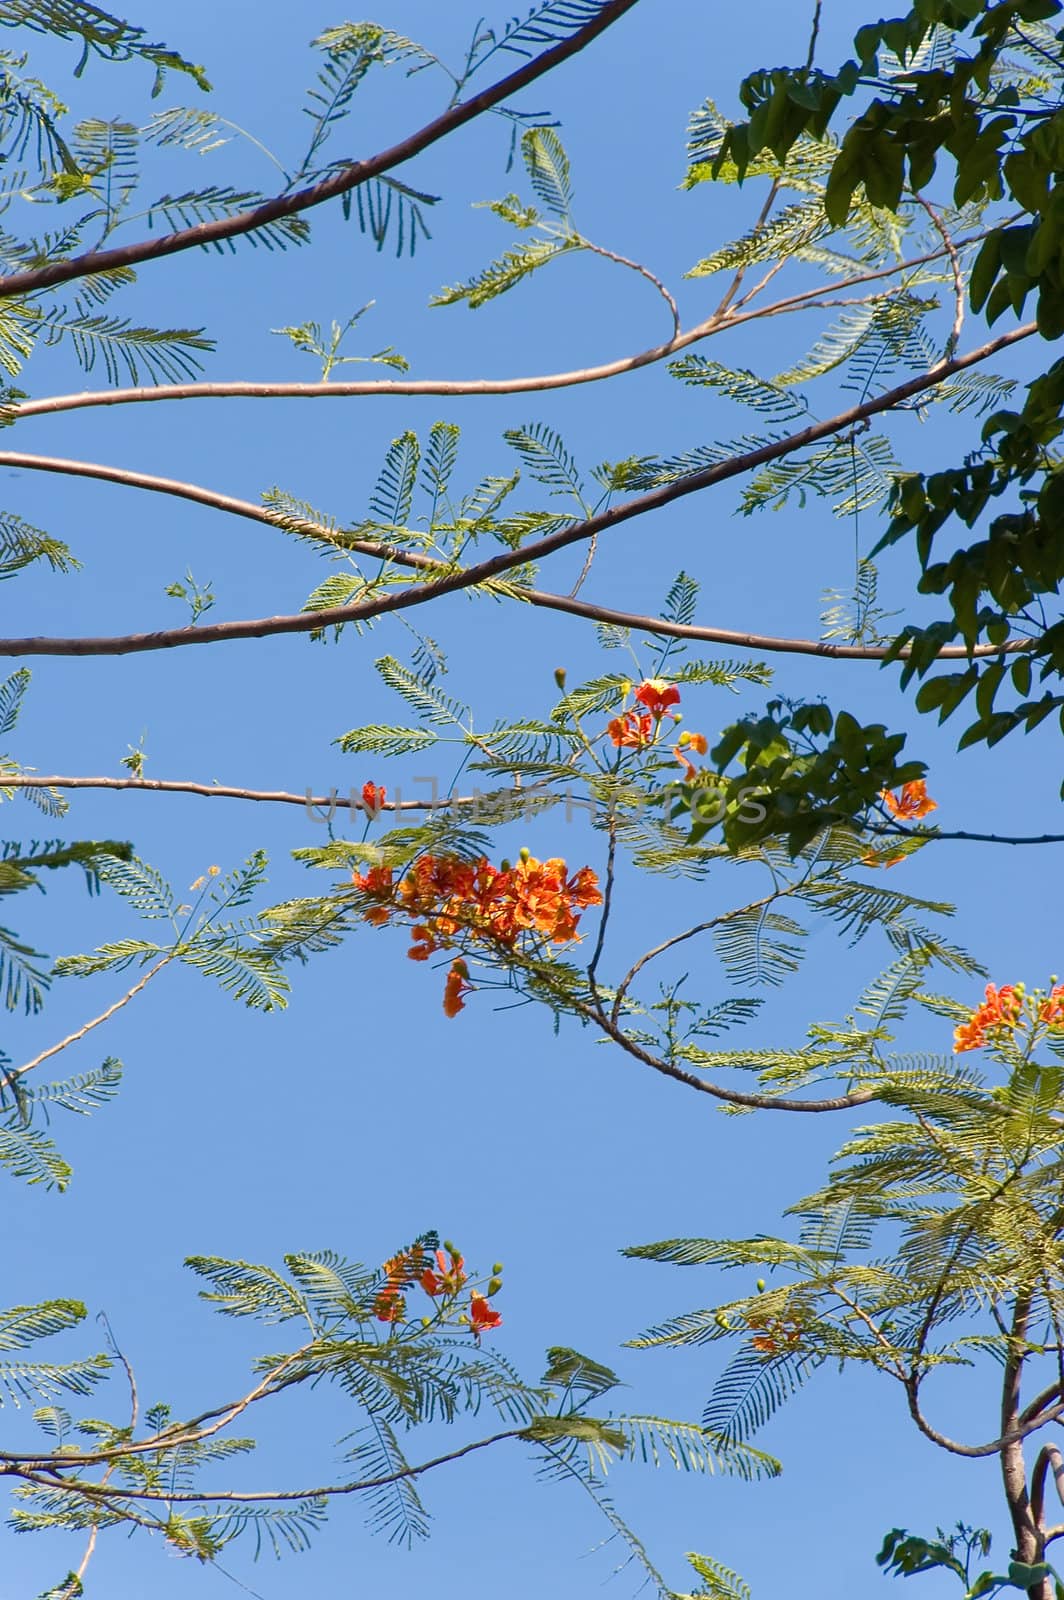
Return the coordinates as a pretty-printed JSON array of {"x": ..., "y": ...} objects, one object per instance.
[
  {"x": 456, "y": 388},
  {"x": 334, "y": 801},
  {"x": 380, "y": 550},
  {"x": 339, "y": 183},
  {"x": 15, "y": 1073},
  {"x": 486, "y": 571},
  {"x": 98, "y": 1492},
  {"x": 754, "y": 1102}
]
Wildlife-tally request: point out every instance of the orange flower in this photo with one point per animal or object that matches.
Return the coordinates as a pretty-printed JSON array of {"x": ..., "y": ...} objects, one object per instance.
[
  {"x": 450, "y": 1277},
  {"x": 912, "y": 802},
  {"x": 481, "y": 1315},
  {"x": 657, "y": 696},
  {"x": 373, "y": 798},
  {"x": 1051, "y": 1011},
  {"x": 690, "y": 741},
  {"x": 448, "y": 898},
  {"x": 456, "y": 986},
  {"x": 1000, "y": 1009},
  {"x": 376, "y": 883},
  {"x": 632, "y": 731}
]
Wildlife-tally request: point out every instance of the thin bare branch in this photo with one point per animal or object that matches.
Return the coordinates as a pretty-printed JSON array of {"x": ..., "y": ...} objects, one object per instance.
[
  {"x": 334, "y": 801},
  {"x": 486, "y": 571},
  {"x": 959, "y": 286},
  {"x": 459, "y": 388},
  {"x": 73, "y": 1038},
  {"x": 98, "y": 1492},
  {"x": 644, "y": 272},
  {"x": 681, "y": 938}
]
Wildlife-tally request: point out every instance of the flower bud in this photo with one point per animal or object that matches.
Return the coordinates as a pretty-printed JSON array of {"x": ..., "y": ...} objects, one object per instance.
[
  {"x": 452, "y": 1249},
  {"x": 494, "y": 1286},
  {"x": 525, "y": 853},
  {"x": 760, "y": 1285},
  {"x": 559, "y": 677},
  {"x": 721, "y": 1320},
  {"x": 496, "y": 1269}
]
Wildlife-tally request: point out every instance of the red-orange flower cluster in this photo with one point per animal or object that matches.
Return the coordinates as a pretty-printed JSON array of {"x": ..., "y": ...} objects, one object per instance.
[
  {"x": 911, "y": 802},
  {"x": 449, "y": 1276},
  {"x": 633, "y": 730},
  {"x": 373, "y": 798},
  {"x": 689, "y": 741},
  {"x": 1000, "y": 1009},
  {"x": 447, "y": 1279},
  {"x": 1051, "y": 1011},
  {"x": 481, "y": 1315},
  {"x": 447, "y": 897},
  {"x": 657, "y": 696}
]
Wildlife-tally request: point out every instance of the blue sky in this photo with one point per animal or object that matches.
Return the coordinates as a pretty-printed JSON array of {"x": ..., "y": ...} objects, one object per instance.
[{"x": 361, "y": 1116}]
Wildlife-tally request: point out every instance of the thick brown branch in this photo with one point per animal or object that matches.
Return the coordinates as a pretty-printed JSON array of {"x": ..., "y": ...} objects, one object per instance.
[
  {"x": 496, "y": 566},
  {"x": 339, "y": 183}
]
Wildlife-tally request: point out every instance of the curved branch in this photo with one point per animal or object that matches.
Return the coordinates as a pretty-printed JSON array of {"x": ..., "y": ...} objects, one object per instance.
[
  {"x": 753, "y": 1102},
  {"x": 98, "y": 1492},
  {"x": 250, "y": 511},
  {"x": 974, "y": 1451},
  {"x": 1055, "y": 1391},
  {"x": 339, "y": 183},
  {"x": 486, "y": 571},
  {"x": 1049, "y": 1456},
  {"x": 457, "y": 388}
]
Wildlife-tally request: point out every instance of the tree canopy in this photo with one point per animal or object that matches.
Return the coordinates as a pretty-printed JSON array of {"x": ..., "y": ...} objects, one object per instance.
[{"x": 545, "y": 730}]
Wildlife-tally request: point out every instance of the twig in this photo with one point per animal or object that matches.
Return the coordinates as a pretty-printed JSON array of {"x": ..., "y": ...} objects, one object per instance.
[
  {"x": 72, "y": 1038},
  {"x": 644, "y": 272},
  {"x": 958, "y": 273}
]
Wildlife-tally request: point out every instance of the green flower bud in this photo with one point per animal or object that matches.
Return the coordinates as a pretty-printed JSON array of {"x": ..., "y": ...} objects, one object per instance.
[
  {"x": 760, "y": 1285},
  {"x": 559, "y": 677},
  {"x": 494, "y": 1286}
]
